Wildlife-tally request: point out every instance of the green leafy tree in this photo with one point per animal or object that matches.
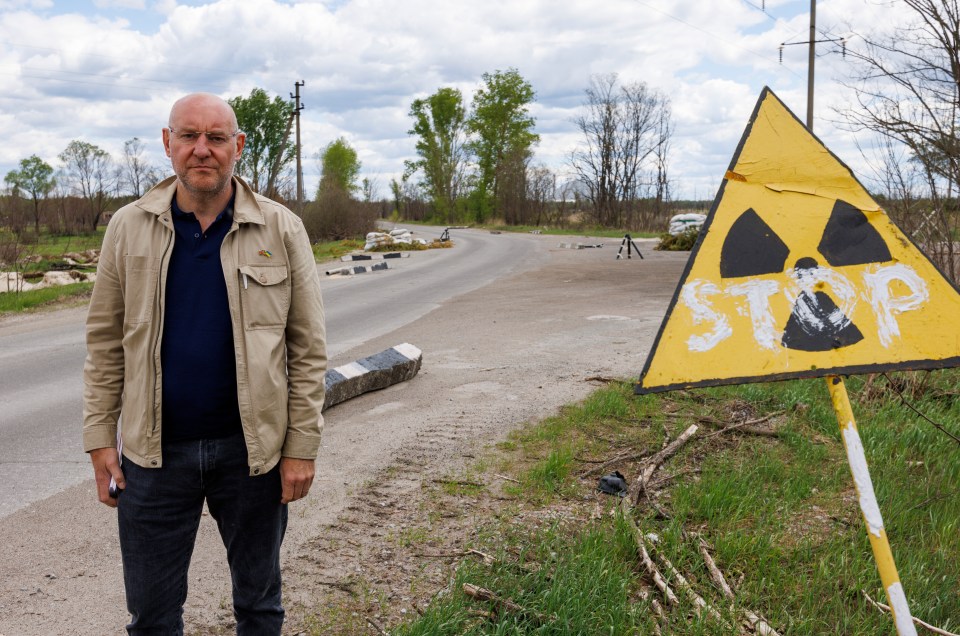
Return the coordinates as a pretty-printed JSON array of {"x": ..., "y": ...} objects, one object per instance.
[
  {"x": 267, "y": 125},
  {"x": 87, "y": 171},
  {"x": 35, "y": 178},
  {"x": 340, "y": 167},
  {"x": 439, "y": 124},
  {"x": 502, "y": 137}
]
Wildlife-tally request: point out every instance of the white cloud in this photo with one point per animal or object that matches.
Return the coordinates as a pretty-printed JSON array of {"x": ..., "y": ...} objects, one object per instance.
[{"x": 111, "y": 73}]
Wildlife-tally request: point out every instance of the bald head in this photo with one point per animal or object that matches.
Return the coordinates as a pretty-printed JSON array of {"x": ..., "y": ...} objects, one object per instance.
[{"x": 194, "y": 103}]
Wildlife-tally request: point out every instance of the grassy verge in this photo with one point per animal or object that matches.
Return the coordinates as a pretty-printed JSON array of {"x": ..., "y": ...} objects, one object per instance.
[
  {"x": 11, "y": 302},
  {"x": 778, "y": 512},
  {"x": 333, "y": 250}
]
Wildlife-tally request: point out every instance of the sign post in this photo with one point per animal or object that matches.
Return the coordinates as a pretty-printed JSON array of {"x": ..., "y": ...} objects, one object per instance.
[
  {"x": 870, "y": 509},
  {"x": 798, "y": 273}
]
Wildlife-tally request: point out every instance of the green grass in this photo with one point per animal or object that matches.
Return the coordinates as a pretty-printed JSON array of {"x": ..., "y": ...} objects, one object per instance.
[
  {"x": 570, "y": 583},
  {"x": 11, "y": 302},
  {"x": 333, "y": 250},
  {"x": 780, "y": 514},
  {"x": 57, "y": 246}
]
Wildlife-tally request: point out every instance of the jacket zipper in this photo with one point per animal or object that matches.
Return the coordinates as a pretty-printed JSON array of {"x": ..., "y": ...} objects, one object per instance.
[{"x": 164, "y": 262}]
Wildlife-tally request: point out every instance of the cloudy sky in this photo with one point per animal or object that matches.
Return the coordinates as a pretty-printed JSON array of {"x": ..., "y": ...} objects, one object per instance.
[{"x": 108, "y": 70}]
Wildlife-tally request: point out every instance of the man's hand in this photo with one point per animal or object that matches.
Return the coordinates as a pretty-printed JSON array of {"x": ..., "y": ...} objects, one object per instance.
[
  {"x": 296, "y": 475},
  {"x": 106, "y": 464}
]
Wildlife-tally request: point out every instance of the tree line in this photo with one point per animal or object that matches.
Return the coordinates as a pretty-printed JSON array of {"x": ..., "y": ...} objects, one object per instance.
[
  {"x": 476, "y": 163},
  {"x": 472, "y": 165}
]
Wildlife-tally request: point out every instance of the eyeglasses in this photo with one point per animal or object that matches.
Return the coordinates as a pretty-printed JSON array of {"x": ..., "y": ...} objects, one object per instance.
[{"x": 214, "y": 138}]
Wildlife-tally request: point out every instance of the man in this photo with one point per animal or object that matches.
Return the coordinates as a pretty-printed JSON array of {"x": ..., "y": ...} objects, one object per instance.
[{"x": 206, "y": 333}]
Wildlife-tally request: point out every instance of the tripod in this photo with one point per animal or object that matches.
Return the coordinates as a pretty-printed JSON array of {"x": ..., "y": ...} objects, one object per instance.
[{"x": 630, "y": 246}]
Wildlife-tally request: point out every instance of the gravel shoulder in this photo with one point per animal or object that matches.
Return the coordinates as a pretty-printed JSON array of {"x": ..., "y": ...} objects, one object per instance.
[{"x": 505, "y": 354}]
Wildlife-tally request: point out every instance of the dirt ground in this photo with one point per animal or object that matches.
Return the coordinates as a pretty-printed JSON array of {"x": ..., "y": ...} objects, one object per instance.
[{"x": 380, "y": 531}]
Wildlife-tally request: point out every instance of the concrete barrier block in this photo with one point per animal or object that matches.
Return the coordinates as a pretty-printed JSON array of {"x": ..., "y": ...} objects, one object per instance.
[
  {"x": 392, "y": 366},
  {"x": 357, "y": 269},
  {"x": 374, "y": 257}
]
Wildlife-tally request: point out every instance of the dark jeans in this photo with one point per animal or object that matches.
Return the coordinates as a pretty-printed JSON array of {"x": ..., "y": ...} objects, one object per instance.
[{"x": 159, "y": 513}]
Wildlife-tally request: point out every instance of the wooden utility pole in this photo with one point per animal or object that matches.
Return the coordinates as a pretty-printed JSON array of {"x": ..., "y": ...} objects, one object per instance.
[
  {"x": 297, "y": 108},
  {"x": 811, "y": 58}
]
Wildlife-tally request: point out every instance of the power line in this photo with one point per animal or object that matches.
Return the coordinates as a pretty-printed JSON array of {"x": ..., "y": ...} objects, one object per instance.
[{"x": 713, "y": 35}]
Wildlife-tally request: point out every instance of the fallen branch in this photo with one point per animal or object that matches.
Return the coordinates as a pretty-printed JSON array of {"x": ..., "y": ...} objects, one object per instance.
[
  {"x": 639, "y": 485},
  {"x": 600, "y": 378},
  {"x": 644, "y": 594},
  {"x": 613, "y": 461},
  {"x": 927, "y": 626},
  {"x": 656, "y": 483},
  {"x": 747, "y": 426},
  {"x": 454, "y": 482},
  {"x": 688, "y": 589},
  {"x": 648, "y": 563},
  {"x": 377, "y": 627},
  {"x": 483, "y": 594},
  {"x": 757, "y": 623},
  {"x": 487, "y": 559}
]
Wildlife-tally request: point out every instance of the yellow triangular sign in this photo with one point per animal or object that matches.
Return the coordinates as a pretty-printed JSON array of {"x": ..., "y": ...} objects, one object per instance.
[{"x": 799, "y": 273}]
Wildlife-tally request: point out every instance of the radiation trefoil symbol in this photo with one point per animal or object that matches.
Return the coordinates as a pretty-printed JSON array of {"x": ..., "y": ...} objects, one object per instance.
[{"x": 822, "y": 297}]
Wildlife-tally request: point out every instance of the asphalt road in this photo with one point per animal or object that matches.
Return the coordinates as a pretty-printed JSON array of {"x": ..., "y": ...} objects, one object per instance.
[{"x": 41, "y": 356}]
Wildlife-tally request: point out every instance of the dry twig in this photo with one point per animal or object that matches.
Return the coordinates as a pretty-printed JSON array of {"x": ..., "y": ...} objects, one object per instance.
[
  {"x": 747, "y": 425},
  {"x": 377, "y": 627},
  {"x": 613, "y": 461},
  {"x": 688, "y": 589},
  {"x": 757, "y": 623},
  {"x": 927, "y": 626},
  {"x": 648, "y": 563},
  {"x": 639, "y": 485},
  {"x": 455, "y": 482},
  {"x": 483, "y": 594}
]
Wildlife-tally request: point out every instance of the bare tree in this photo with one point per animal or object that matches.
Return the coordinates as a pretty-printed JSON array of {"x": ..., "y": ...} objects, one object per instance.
[
  {"x": 87, "y": 170},
  {"x": 907, "y": 85},
  {"x": 541, "y": 191},
  {"x": 623, "y": 129},
  {"x": 136, "y": 174}
]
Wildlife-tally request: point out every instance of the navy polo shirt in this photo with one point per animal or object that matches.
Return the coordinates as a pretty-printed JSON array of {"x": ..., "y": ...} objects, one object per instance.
[{"x": 197, "y": 351}]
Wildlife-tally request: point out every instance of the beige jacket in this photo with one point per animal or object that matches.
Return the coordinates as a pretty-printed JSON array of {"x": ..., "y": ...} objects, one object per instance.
[{"x": 278, "y": 329}]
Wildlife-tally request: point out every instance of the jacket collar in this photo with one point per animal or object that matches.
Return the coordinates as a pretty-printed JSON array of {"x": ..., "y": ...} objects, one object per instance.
[{"x": 246, "y": 208}]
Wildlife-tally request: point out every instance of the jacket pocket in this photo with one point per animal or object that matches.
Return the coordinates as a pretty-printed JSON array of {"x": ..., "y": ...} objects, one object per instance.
[
  {"x": 142, "y": 276},
  {"x": 264, "y": 296}
]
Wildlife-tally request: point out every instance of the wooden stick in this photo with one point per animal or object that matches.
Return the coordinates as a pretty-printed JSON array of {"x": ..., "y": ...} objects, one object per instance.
[
  {"x": 639, "y": 485},
  {"x": 483, "y": 594},
  {"x": 688, "y": 589},
  {"x": 745, "y": 424},
  {"x": 757, "y": 623},
  {"x": 613, "y": 461},
  {"x": 377, "y": 627},
  {"x": 455, "y": 482},
  {"x": 656, "y": 607},
  {"x": 487, "y": 559},
  {"x": 648, "y": 563},
  {"x": 927, "y": 626},
  {"x": 504, "y": 477}
]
